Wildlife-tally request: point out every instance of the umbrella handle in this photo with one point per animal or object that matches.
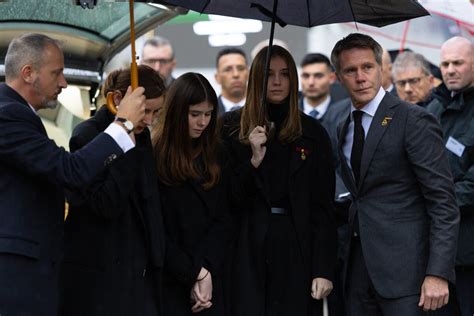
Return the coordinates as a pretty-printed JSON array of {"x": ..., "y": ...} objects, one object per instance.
[{"x": 133, "y": 66}]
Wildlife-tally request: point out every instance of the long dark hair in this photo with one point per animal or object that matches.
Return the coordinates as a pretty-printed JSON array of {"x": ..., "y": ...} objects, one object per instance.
[
  {"x": 291, "y": 128},
  {"x": 176, "y": 150}
]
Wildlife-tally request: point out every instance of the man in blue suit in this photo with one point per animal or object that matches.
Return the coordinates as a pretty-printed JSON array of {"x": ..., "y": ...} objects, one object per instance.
[{"x": 35, "y": 171}]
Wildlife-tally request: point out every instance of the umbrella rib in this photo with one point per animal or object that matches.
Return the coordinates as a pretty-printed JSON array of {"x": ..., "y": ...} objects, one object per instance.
[
  {"x": 308, "y": 11},
  {"x": 353, "y": 15}
]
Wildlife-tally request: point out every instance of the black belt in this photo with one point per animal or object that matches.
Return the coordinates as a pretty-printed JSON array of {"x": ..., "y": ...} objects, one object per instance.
[{"x": 280, "y": 211}]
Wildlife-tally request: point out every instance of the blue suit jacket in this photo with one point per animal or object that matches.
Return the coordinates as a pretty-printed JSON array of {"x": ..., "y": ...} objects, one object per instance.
[{"x": 34, "y": 171}]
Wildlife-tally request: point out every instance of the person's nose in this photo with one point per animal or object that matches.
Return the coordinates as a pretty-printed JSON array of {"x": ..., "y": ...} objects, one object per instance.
[
  {"x": 276, "y": 79},
  {"x": 360, "y": 76},
  {"x": 62, "y": 82},
  {"x": 235, "y": 73},
  {"x": 147, "y": 119},
  {"x": 451, "y": 69},
  {"x": 201, "y": 120},
  {"x": 407, "y": 87}
]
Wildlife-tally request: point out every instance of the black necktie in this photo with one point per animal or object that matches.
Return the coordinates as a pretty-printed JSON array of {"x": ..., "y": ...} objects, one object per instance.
[{"x": 357, "y": 144}]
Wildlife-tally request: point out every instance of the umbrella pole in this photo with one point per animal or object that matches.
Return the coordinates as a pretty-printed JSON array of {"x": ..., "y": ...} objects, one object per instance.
[
  {"x": 263, "y": 103},
  {"x": 133, "y": 66}
]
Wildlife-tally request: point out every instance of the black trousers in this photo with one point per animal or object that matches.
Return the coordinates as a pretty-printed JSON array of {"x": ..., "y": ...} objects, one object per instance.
[
  {"x": 363, "y": 300},
  {"x": 287, "y": 285}
]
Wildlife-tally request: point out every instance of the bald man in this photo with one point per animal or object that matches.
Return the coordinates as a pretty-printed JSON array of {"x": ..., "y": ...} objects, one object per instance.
[{"x": 454, "y": 108}]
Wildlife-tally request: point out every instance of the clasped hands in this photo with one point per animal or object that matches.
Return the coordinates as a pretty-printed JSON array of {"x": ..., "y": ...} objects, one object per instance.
[{"x": 201, "y": 292}]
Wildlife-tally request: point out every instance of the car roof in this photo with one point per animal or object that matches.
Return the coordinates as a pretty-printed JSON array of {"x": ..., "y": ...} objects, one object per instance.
[{"x": 90, "y": 37}]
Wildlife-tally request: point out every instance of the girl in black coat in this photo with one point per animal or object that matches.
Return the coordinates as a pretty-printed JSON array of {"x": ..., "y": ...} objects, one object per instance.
[
  {"x": 194, "y": 196},
  {"x": 114, "y": 243},
  {"x": 282, "y": 192}
]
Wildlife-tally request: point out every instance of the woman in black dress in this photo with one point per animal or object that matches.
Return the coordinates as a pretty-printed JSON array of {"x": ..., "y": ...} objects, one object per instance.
[
  {"x": 282, "y": 192},
  {"x": 194, "y": 198},
  {"x": 114, "y": 242}
]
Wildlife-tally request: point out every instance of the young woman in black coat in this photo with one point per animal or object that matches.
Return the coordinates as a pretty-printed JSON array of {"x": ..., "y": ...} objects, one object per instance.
[
  {"x": 114, "y": 242},
  {"x": 282, "y": 192},
  {"x": 193, "y": 190}
]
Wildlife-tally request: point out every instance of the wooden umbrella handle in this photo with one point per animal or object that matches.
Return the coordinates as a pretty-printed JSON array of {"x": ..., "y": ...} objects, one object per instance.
[{"x": 133, "y": 66}]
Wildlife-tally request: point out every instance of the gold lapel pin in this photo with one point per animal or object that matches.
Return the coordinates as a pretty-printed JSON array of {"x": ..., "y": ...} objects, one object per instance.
[
  {"x": 386, "y": 120},
  {"x": 303, "y": 155}
]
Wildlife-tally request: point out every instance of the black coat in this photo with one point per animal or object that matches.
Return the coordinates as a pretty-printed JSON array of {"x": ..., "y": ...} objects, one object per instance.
[
  {"x": 33, "y": 173},
  {"x": 311, "y": 192},
  {"x": 456, "y": 116},
  {"x": 113, "y": 233},
  {"x": 198, "y": 232}
]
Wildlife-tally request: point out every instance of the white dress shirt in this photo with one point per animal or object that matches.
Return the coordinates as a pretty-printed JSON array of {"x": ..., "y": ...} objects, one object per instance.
[
  {"x": 115, "y": 131},
  {"x": 368, "y": 114},
  {"x": 228, "y": 105},
  {"x": 321, "y": 108}
]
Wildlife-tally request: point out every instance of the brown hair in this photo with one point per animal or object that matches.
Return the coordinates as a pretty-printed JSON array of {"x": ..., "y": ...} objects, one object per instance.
[
  {"x": 291, "y": 128},
  {"x": 176, "y": 152},
  {"x": 147, "y": 77},
  {"x": 356, "y": 40}
]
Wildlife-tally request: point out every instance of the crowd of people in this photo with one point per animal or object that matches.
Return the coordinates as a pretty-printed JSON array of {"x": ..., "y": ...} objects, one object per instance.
[{"x": 357, "y": 190}]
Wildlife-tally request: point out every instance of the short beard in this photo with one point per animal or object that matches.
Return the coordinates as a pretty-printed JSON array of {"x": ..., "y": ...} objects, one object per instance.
[
  {"x": 45, "y": 104},
  {"x": 49, "y": 104}
]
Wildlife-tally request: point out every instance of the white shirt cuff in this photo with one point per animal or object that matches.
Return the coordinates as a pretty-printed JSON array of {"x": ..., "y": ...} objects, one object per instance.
[{"x": 120, "y": 136}]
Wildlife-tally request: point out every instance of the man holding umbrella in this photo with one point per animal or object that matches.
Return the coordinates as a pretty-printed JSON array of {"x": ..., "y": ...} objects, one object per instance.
[{"x": 403, "y": 218}]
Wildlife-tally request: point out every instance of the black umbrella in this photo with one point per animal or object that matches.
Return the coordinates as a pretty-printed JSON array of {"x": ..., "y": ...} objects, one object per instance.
[{"x": 306, "y": 13}]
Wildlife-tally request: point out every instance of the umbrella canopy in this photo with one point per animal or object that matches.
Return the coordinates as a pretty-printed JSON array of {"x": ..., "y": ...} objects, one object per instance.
[
  {"x": 310, "y": 13},
  {"x": 306, "y": 13}
]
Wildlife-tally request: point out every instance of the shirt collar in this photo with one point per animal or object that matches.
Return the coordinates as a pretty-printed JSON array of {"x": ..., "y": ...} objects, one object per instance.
[
  {"x": 371, "y": 107},
  {"x": 229, "y": 104},
  {"x": 321, "y": 108},
  {"x": 33, "y": 109}
]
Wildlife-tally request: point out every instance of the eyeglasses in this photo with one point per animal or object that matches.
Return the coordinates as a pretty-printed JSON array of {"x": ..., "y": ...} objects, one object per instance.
[
  {"x": 411, "y": 81},
  {"x": 161, "y": 61}
]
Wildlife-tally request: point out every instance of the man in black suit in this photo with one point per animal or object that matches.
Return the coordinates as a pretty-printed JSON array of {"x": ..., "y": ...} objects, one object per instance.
[
  {"x": 316, "y": 77},
  {"x": 34, "y": 172},
  {"x": 232, "y": 73},
  {"x": 403, "y": 218}
]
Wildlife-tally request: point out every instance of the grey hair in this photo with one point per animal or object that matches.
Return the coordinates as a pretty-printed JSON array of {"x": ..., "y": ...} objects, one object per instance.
[
  {"x": 26, "y": 49},
  {"x": 356, "y": 40},
  {"x": 406, "y": 60},
  {"x": 158, "y": 41}
]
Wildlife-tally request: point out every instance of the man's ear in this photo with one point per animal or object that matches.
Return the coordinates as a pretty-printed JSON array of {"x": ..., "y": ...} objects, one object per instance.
[
  {"x": 117, "y": 97},
  {"x": 332, "y": 77},
  {"x": 27, "y": 73},
  {"x": 217, "y": 77},
  {"x": 431, "y": 79}
]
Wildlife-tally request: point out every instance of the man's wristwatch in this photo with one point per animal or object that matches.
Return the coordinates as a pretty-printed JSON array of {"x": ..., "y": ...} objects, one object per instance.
[{"x": 126, "y": 123}]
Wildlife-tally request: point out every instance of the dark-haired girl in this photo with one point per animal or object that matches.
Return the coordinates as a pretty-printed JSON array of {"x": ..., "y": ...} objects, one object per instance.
[
  {"x": 282, "y": 189},
  {"x": 193, "y": 189}
]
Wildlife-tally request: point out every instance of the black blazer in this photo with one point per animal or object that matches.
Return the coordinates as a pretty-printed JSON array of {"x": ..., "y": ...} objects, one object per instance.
[
  {"x": 114, "y": 233},
  {"x": 311, "y": 193},
  {"x": 198, "y": 233},
  {"x": 34, "y": 172},
  {"x": 408, "y": 217}
]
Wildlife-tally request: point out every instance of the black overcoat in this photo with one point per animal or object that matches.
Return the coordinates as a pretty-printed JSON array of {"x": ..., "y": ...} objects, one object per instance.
[
  {"x": 198, "y": 232},
  {"x": 311, "y": 184},
  {"x": 33, "y": 174},
  {"x": 114, "y": 232}
]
